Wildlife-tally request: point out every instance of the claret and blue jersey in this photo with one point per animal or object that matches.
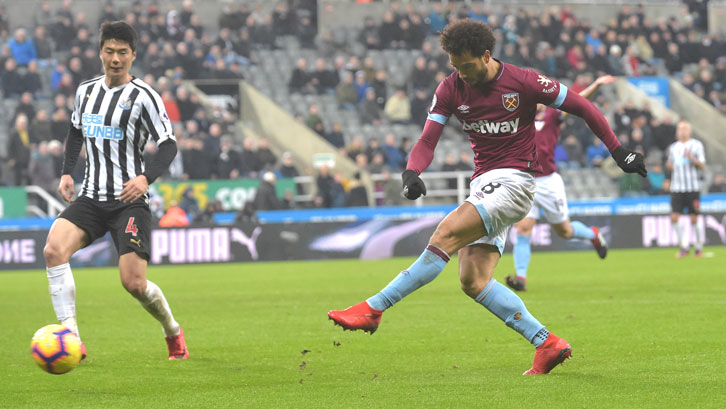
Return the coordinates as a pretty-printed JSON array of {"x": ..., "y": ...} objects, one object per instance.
[{"x": 498, "y": 116}]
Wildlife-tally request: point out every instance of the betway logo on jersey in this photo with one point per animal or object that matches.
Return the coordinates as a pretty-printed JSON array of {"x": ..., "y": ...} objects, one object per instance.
[
  {"x": 93, "y": 127},
  {"x": 492, "y": 127}
]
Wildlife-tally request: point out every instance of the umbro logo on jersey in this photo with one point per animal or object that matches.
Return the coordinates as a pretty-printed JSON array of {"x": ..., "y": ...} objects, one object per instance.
[
  {"x": 463, "y": 108},
  {"x": 125, "y": 105},
  {"x": 630, "y": 158}
]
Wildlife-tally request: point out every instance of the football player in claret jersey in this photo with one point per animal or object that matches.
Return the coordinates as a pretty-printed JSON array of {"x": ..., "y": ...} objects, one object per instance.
[
  {"x": 115, "y": 114},
  {"x": 496, "y": 103},
  {"x": 550, "y": 196}
]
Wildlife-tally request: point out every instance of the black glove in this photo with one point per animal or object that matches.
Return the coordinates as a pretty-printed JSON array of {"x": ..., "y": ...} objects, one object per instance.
[
  {"x": 630, "y": 162},
  {"x": 413, "y": 186}
]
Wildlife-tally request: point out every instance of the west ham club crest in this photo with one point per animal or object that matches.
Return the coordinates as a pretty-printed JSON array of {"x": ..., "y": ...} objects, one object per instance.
[{"x": 510, "y": 101}]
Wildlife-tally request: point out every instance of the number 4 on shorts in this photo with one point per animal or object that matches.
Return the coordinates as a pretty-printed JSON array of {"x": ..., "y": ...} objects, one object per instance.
[{"x": 131, "y": 227}]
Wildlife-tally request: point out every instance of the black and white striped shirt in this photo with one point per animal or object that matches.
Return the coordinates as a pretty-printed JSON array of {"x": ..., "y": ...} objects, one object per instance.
[
  {"x": 116, "y": 124},
  {"x": 685, "y": 174}
]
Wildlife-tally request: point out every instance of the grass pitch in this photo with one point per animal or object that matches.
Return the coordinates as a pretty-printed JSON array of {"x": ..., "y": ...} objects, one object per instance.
[{"x": 647, "y": 331}]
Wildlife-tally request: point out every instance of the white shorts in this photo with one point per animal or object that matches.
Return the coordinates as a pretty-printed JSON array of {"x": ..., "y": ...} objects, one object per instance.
[
  {"x": 502, "y": 197},
  {"x": 551, "y": 199}
]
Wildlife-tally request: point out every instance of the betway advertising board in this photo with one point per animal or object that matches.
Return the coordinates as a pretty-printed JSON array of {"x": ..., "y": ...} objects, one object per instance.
[{"x": 369, "y": 239}]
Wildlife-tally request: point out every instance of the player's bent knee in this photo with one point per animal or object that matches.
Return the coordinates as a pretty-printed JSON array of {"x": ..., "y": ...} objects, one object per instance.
[
  {"x": 137, "y": 288},
  {"x": 54, "y": 254},
  {"x": 472, "y": 288}
]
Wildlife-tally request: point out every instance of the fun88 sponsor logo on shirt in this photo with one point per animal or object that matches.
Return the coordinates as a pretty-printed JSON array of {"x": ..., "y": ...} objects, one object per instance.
[{"x": 93, "y": 128}]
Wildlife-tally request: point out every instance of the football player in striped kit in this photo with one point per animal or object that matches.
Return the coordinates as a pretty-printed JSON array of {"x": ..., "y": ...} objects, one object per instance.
[
  {"x": 114, "y": 114},
  {"x": 686, "y": 157}
]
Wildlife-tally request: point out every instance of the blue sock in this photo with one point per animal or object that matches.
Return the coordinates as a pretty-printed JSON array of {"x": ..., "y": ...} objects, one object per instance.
[
  {"x": 522, "y": 253},
  {"x": 506, "y": 305},
  {"x": 428, "y": 266},
  {"x": 580, "y": 231}
]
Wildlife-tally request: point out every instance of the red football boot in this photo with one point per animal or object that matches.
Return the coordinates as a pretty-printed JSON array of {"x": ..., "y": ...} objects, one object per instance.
[
  {"x": 553, "y": 352},
  {"x": 517, "y": 283},
  {"x": 682, "y": 253},
  {"x": 177, "y": 346},
  {"x": 601, "y": 246},
  {"x": 83, "y": 352},
  {"x": 359, "y": 316}
]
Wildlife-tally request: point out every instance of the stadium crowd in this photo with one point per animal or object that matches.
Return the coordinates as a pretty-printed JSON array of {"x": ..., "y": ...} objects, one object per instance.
[{"x": 40, "y": 67}]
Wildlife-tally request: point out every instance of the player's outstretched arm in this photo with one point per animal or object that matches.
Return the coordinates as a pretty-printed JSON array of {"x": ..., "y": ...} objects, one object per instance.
[
  {"x": 592, "y": 88},
  {"x": 628, "y": 161},
  {"x": 420, "y": 158}
]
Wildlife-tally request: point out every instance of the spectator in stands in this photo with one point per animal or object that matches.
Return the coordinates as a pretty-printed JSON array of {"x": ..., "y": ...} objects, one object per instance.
[
  {"x": 361, "y": 85},
  {"x": 573, "y": 151},
  {"x": 196, "y": 161},
  {"x": 287, "y": 168},
  {"x": 324, "y": 183},
  {"x": 41, "y": 168},
  {"x": 185, "y": 105},
  {"x": 12, "y": 83},
  {"x": 265, "y": 158},
  {"x": 266, "y": 196},
  {"x": 174, "y": 217},
  {"x": 398, "y": 108},
  {"x": 420, "y": 103},
  {"x": 663, "y": 132},
  {"x": 655, "y": 179},
  {"x": 228, "y": 160},
  {"x": 40, "y": 126},
  {"x": 368, "y": 35},
  {"x": 26, "y": 107},
  {"x": 596, "y": 152},
  {"x": 355, "y": 147},
  {"x": 718, "y": 185},
  {"x": 368, "y": 111},
  {"x": 314, "y": 121},
  {"x": 362, "y": 162},
  {"x": 43, "y": 46},
  {"x": 377, "y": 163},
  {"x": 249, "y": 165},
  {"x": 389, "y": 32},
  {"x": 450, "y": 165},
  {"x": 357, "y": 193},
  {"x": 346, "y": 93},
  {"x": 335, "y": 137},
  {"x": 19, "y": 145},
  {"x": 31, "y": 80},
  {"x": 172, "y": 109},
  {"x": 324, "y": 79},
  {"x": 189, "y": 204},
  {"x": 394, "y": 157},
  {"x": 306, "y": 32},
  {"x": 301, "y": 81},
  {"x": 420, "y": 76},
  {"x": 22, "y": 48},
  {"x": 380, "y": 85}
]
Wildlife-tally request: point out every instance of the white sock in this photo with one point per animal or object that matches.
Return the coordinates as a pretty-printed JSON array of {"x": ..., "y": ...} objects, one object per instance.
[
  {"x": 155, "y": 303},
  {"x": 699, "y": 236},
  {"x": 62, "y": 289},
  {"x": 681, "y": 237}
]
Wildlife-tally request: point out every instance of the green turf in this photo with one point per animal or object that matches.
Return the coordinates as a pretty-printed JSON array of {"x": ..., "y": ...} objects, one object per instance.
[{"x": 647, "y": 331}]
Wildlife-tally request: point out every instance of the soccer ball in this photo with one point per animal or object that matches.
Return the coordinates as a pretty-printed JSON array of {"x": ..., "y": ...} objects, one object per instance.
[{"x": 56, "y": 349}]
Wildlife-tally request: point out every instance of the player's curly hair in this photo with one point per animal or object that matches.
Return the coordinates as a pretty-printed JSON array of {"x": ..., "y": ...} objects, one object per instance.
[
  {"x": 467, "y": 35},
  {"x": 118, "y": 30}
]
